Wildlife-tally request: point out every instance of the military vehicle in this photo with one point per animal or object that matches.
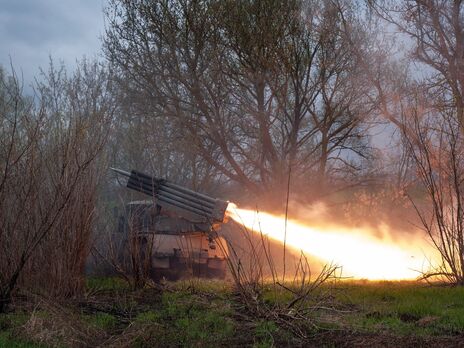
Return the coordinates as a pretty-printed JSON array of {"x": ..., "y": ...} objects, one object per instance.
[{"x": 176, "y": 230}]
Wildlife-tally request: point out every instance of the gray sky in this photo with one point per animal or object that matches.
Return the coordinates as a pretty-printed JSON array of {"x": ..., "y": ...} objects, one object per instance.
[{"x": 33, "y": 30}]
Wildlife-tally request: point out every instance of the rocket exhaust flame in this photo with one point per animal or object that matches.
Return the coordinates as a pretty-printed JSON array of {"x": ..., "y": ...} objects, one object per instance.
[{"x": 356, "y": 250}]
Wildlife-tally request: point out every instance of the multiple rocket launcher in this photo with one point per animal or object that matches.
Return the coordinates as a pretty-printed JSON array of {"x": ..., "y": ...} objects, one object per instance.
[{"x": 192, "y": 205}]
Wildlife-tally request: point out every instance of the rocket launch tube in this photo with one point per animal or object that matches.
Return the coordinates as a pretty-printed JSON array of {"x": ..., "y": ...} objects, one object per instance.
[
  {"x": 162, "y": 190},
  {"x": 176, "y": 196}
]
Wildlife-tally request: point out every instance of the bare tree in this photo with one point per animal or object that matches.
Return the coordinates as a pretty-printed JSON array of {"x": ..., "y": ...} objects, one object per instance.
[
  {"x": 252, "y": 88},
  {"x": 437, "y": 29},
  {"x": 438, "y": 153},
  {"x": 428, "y": 110},
  {"x": 49, "y": 163}
]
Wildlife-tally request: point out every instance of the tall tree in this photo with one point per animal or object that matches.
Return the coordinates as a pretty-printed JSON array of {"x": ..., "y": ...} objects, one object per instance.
[
  {"x": 253, "y": 87},
  {"x": 437, "y": 29}
]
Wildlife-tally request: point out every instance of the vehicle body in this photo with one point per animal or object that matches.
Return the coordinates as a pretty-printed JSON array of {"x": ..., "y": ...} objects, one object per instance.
[{"x": 174, "y": 234}]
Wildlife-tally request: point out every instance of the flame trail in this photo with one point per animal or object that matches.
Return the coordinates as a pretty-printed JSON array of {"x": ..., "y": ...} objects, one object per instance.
[{"x": 360, "y": 254}]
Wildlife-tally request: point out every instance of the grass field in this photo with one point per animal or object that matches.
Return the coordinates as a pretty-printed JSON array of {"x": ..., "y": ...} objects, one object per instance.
[{"x": 210, "y": 314}]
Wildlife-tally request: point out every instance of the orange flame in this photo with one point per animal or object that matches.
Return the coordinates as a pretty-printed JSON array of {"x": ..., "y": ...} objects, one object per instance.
[{"x": 356, "y": 250}]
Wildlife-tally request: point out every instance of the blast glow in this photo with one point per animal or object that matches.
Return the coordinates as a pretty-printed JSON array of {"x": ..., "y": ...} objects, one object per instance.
[{"x": 356, "y": 250}]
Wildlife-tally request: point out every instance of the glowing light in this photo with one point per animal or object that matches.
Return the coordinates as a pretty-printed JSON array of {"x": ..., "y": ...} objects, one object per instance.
[{"x": 360, "y": 254}]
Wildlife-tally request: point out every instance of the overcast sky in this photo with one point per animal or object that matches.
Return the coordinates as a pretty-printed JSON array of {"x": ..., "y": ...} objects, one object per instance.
[{"x": 33, "y": 30}]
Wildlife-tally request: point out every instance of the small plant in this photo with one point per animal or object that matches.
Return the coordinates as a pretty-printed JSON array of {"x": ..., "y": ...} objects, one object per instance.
[
  {"x": 7, "y": 340},
  {"x": 149, "y": 317},
  {"x": 264, "y": 333},
  {"x": 101, "y": 320},
  {"x": 289, "y": 304},
  {"x": 105, "y": 283}
]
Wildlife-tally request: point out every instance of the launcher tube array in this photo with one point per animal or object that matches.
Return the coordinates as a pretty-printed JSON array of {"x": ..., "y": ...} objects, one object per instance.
[{"x": 173, "y": 196}]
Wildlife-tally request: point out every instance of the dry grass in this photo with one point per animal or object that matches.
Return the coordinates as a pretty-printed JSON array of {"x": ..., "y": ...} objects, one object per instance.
[
  {"x": 258, "y": 274},
  {"x": 57, "y": 326}
]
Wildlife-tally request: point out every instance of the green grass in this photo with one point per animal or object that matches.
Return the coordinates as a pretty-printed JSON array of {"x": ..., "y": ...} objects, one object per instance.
[
  {"x": 403, "y": 307},
  {"x": 8, "y": 323},
  {"x": 8, "y": 340},
  {"x": 101, "y": 320},
  {"x": 208, "y": 314},
  {"x": 189, "y": 320},
  {"x": 264, "y": 333},
  {"x": 149, "y": 317},
  {"x": 106, "y": 283},
  {"x": 14, "y": 319}
]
